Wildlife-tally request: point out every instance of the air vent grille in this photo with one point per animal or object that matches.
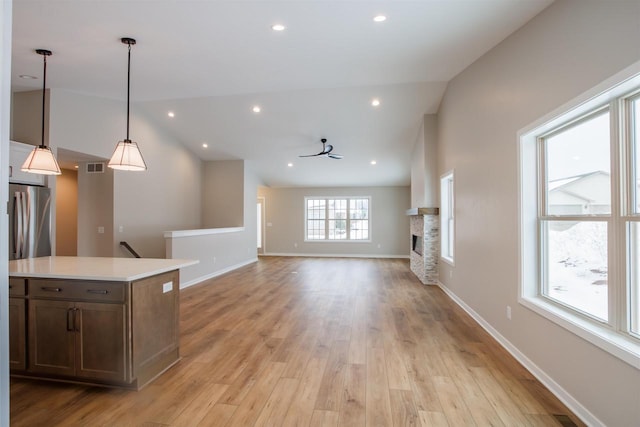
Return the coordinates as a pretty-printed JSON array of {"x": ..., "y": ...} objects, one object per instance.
[{"x": 95, "y": 167}]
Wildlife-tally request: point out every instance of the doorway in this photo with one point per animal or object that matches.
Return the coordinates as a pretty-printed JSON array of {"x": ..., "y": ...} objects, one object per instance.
[{"x": 260, "y": 226}]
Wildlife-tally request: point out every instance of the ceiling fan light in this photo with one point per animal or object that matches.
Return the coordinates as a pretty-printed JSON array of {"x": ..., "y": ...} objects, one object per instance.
[
  {"x": 41, "y": 161},
  {"x": 127, "y": 156}
]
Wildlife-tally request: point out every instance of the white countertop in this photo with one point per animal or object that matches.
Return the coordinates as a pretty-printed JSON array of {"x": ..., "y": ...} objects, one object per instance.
[{"x": 94, "y": 268}]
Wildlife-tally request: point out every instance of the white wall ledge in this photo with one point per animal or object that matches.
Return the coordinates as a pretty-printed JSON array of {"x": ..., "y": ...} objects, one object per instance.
[{"x": 201, "y": 232}]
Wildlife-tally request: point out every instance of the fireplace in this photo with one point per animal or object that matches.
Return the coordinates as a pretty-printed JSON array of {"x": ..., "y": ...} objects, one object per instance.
[
  {"x": 425, "y": 243},
  {"x": 417, "y": 244}
]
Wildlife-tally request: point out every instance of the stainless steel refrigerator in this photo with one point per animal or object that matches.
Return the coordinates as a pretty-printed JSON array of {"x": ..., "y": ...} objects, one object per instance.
[{"x": 29, "y": 221}]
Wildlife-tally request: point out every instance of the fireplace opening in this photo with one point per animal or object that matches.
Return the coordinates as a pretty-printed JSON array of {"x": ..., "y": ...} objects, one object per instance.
[{"x": 416, "y": 244}]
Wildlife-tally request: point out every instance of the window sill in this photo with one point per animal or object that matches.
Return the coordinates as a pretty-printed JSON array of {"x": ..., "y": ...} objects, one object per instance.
[
  {"x": 448, "y": 261},
  {"x": 337, "y": 241},
  {"x": 617, "y": 344}
]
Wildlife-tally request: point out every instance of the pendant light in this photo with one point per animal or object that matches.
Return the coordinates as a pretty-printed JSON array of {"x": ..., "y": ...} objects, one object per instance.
[
  {"x": 41, "y": 159},
  {"x": 127, "y": 155}
]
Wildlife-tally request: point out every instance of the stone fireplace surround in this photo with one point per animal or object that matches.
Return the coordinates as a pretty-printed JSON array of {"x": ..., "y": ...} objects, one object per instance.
[{"x": 425, "y": 223}]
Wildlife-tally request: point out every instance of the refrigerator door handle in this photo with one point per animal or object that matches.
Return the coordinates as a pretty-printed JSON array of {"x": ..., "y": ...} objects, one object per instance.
[{"x": 17, "y": 226}]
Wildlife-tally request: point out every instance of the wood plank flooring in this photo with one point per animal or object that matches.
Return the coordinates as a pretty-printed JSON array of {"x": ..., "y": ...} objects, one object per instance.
[{"x": 314, "y": 342}]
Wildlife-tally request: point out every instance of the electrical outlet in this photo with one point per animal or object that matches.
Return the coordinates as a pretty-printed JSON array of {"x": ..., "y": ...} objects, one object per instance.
[
  {"x": 121, "y": 229},
  {"x": 509, "y": 312},
  {"x": 450, "y": 274},
  {"x": 214, "y": 260},
  {"x": 379, "y": 245},
  {"x": 295, "y": 245},
  {"x": 101, "y": 230}
]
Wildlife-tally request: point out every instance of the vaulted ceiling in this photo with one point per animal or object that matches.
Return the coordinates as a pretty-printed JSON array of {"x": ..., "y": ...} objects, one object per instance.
[{"x": 211, "y": 62}]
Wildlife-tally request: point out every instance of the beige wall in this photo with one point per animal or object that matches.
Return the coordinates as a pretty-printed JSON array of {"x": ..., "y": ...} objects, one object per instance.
[
  {"x": 95, "y": 210},
  {"x": 567, "y": 49},
  {"x": 220, "y": 252},
  {"x": 26, "y": 117},
  {"x": 424, "y": 170},
  {"x": 285, "y": 212},
  {"x": 67, "y": 213},
  {"x": 222, "y": 194}
]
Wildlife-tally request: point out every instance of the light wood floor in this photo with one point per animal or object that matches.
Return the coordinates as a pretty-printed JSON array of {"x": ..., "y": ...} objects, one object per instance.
[{"x": 315, "y": 342}]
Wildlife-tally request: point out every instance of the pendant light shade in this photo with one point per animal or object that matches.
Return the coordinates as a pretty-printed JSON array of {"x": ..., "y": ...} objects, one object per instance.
[
  {"x": 41, "y": 160},
  {"x": 127, "y": 155}
]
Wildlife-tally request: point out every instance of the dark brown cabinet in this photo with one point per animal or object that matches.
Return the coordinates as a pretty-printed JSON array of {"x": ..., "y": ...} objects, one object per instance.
[
  {"x": 77, "y": 339},
  {"x": 110, "y": 333},
  {"x": 17, "y": 324}
]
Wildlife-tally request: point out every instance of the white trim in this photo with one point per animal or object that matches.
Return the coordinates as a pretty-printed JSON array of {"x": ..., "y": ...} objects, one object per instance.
[
  {"x": 574, "y": 405},
  {"x": 201, "y": 232},
  {"x": 216, "y": 273},
  {"x": 601, "y": 336},
  {"x": 336, "y": 255}
]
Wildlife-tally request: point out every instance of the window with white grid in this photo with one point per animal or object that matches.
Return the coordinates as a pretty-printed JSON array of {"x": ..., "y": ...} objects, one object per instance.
[{"x": 337, "y": 218}]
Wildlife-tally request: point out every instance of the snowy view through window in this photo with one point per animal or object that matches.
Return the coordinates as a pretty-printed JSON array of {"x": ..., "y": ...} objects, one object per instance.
[{"x": 578, "y": 186}]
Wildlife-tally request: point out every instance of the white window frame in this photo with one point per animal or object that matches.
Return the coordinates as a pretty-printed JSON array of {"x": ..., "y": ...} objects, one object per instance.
[
  {"x": 613, "y": 335},
  {"x": 348, "y": 219},
  {"x": 447, "y": 217}
]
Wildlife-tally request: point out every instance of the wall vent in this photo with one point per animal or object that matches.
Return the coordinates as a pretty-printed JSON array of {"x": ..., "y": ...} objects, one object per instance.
[{"x": 95, "y": 167}]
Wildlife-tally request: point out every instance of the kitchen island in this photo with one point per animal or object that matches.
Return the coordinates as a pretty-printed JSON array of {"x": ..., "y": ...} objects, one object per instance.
[{"x": 101, "y": 321}]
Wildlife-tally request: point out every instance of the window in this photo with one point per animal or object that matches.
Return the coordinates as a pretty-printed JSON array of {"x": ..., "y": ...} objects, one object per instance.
[
  {"x": 580, "y": 219},
  {"x": 331, "y": 219},
  {"x": 447, "y": 217}
]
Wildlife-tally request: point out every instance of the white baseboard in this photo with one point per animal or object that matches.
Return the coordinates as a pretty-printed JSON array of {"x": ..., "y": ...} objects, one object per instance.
[
  {"x": 575, "y": 406},
  {"x": 336, "y": 255},
  {"x": 217, "y": 273}
]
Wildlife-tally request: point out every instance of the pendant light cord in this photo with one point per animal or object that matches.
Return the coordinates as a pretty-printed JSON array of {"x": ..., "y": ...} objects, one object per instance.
[
  {"x": 44, "y": 87},
  {"x": 128, "y": 89}
]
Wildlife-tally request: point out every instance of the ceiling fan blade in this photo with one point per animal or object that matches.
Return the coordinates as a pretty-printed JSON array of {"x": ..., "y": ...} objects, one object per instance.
[
  {"x": 312, "y": 155},
  {"x": 335, "y": 156}
]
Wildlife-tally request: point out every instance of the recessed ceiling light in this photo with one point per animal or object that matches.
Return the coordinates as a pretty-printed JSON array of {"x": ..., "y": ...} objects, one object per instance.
[
  {"x": 379, "y": 18},
  {"x": 278, "y": 27},
  {"x": 205, "y": 145},
  {"x": 171, "y": 114},
  {"x": 256, "y": 109},
  {"x": 28, "y": 77},
  {"x": 290, "y": 165},
  {"x": 373, "y": 162},
  {"x": 375, "y": 102}
]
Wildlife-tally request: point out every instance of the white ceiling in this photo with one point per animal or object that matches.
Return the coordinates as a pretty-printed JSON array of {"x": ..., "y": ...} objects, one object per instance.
[{"x": 211, "y": 61}]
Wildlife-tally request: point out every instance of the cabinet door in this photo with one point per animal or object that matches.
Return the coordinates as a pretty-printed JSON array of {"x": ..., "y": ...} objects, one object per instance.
[
  {"x": 17, "y": 334},
  {"x": 101, "y": 341},
  {"x": 18, "y": 153},
  {"x": 51, "y": 337}
]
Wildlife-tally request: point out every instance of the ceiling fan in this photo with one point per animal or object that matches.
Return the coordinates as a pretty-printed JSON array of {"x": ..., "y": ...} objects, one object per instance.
[{"x": 326, "y": 151}]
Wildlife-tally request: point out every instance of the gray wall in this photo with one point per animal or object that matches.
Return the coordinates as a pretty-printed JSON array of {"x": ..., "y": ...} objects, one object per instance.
[
  {"x": 285, "y": 211},
  {"x": 223, "y": 194},
  {"x": 5, "y": 104},
  {"x": 566, "y": 50}
]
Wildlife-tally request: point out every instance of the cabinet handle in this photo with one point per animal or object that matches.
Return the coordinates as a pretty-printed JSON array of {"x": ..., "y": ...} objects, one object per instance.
[
  {"x": 50, "y": 289},
  {"x": 10, "y": 286},
  {"x": 70, "y": 320},
  {"x": 98, "y": 291}
]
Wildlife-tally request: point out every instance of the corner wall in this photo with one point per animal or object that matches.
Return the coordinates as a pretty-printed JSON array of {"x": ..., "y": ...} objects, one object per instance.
[
  {"x": 145, "y": 204},
  {"x": 567, "y": 49}
]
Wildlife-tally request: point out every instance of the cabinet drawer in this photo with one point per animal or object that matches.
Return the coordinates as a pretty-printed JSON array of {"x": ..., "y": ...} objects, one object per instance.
[
  {"x": 17, "y": 287},
  {"x": 77, "y": 290}
]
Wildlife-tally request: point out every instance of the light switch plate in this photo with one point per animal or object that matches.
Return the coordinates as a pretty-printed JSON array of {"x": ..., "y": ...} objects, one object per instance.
[{"x": 167, "y": 287}]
